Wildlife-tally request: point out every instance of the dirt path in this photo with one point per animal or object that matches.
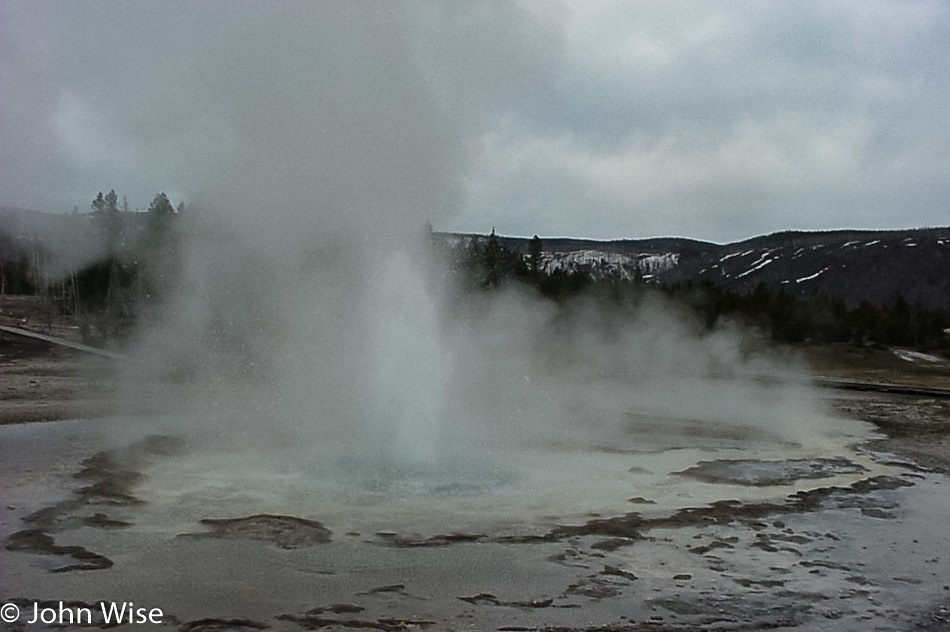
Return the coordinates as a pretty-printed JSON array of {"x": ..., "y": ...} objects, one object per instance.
[{"x": 43, "y": 383}]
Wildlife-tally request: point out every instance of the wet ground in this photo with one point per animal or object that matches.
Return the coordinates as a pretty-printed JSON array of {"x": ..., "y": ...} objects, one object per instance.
[{"x": 839, "y": 541}]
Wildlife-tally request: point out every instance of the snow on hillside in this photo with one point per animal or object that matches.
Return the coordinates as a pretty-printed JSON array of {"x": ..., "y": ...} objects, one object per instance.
[
  {"x": 599, "y": 264},
  {"x": 915, "y": 356},
  {"x": 852, "y": 265}
]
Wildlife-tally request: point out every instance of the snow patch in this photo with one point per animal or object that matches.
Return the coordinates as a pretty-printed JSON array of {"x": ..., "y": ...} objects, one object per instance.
[
  {"x": 755, "y": 267},
  {"x": 657, "y": 263},
  {"x": 813, "y": 276},
  {"x": 916, "y": 356},
  {"x": 599, "y": 264}
]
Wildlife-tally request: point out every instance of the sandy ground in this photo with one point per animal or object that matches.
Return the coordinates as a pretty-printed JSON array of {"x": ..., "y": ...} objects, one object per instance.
[{"x": 872, "y": 555}]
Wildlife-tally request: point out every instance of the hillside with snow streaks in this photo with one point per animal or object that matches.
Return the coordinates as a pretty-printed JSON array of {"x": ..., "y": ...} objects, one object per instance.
[
  {"x": 854, "y": 266},
  {"x": 850, "y": 265}
]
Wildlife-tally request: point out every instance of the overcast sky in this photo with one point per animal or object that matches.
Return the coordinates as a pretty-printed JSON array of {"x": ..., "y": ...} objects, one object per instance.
[{"x": 585, "y": 118}]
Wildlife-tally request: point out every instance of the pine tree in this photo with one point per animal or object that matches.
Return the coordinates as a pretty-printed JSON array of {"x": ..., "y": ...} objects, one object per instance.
[
  {"x": 492, "y": 261},
  {"x": 534, "y": 256},
  {"x": 111, "y": 202},
  {"x": 99, "y": 203},
  {"x": 160, "y": 206},
  {"x": 106, "y": 207},
  {"x": 160, "y": 248}
]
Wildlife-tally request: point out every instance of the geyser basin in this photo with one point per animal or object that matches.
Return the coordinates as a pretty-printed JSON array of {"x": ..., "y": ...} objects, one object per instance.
[
  {"x": 519, "y": 487},
  {"x": 298, "y": 537},
  {"x": 386, "y": 402}
]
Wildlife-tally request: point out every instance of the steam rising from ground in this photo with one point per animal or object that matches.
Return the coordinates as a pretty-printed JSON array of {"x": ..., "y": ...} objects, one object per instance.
[
  {"x": 379, "y": 356},
  {"x": 312, "y": 318}
]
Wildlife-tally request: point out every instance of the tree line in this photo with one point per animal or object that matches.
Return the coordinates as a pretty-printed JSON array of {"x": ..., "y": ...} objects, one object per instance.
[
  {"x": 108, "y": 268},
  {"x": 818, "y": 318},
  {"x": 782, "y": 316},
  {"x": 139, "y": 263}
]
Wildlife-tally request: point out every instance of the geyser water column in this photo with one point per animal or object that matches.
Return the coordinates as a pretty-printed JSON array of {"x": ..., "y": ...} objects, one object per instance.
[
  {"x": 338, "y": 141},
  {"x": 410, "y": 367}
]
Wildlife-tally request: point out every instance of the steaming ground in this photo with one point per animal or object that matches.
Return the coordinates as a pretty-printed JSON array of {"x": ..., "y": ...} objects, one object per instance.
[
  {"x": 340, "y": 437},
  {"x": 387, "y": 405},
  {"x": 688, "y": 485},
  {"x": 393, "y": 460},
  {"x": 520, "y": 489},
  {"x": 744, "y": 537},
  {"x": 373, "y": 454}
]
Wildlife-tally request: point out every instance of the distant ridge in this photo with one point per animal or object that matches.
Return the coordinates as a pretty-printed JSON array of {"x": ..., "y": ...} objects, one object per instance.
[
  {"x": 851, "y": 264},
  {"x": 854, "y": 265}
]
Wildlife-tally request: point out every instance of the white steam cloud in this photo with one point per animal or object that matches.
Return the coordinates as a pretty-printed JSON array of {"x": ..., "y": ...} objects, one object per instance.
[{"x": 310, "y": 317}]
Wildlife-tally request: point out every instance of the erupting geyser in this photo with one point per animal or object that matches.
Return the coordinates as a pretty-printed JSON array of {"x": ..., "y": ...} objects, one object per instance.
[
  {"x": 334, "y": 372},
  {"x": 411, "y": 371},
  {"x": 385, "y": 409}
]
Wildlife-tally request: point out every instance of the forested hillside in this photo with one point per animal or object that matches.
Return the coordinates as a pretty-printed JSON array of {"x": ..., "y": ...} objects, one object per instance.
[
  {"x": 111, "y": 267},
  {"x": 862, "y": 287},
  {"x": 107, "y": 267}
]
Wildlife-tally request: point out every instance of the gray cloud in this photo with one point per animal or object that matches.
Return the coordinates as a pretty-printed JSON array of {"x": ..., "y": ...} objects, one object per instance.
[
  {"x": 603, "y": 119},
  {"x": 727, "y": 120}
]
